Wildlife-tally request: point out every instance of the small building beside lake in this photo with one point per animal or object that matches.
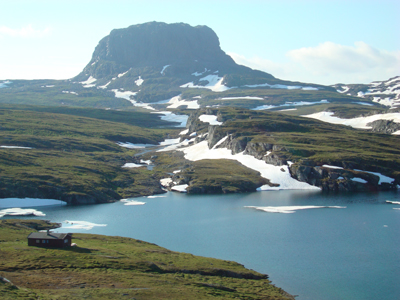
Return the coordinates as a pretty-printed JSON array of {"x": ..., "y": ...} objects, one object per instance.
[{"x": 49, "y": 239}]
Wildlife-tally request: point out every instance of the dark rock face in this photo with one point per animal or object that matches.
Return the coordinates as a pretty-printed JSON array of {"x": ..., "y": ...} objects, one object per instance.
[
  {"x": 384, "y": 126},
  {"x": 165, "y": 56},
  {"x": 155, "y": 43}
]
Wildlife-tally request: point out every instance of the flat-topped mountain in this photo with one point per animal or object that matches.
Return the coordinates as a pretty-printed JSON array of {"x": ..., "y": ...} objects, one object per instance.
[
  {"x": 159, "y": 61},
  {"x": 159, "y": 44},
  {"x": 172, "y": 49}
]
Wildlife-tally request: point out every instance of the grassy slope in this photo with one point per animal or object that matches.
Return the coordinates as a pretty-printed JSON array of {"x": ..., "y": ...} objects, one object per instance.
[
  {"x": 104, "y": 267},
  {"x": 156, "y": 88},
  {"x": 35, "y": 92},
  {"x": 73, "y": 155}
]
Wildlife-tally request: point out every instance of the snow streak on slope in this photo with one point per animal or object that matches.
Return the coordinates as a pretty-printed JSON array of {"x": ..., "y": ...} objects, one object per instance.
[{"x": 360, "y": 122}]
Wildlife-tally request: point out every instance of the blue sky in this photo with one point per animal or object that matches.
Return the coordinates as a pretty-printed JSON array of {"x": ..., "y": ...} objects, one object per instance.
[{"x": 322, "y": 42}]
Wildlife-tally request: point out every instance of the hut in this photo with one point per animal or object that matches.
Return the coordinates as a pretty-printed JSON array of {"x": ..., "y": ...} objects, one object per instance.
[{"x": 49, "y": 239}]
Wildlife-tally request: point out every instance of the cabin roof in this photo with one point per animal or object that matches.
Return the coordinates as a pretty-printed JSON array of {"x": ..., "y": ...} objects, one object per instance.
[{"x": 48, "y": 235}]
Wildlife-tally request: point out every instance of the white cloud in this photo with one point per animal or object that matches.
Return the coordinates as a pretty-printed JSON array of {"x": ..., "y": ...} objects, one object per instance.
[
  {"x": 25, "y": 32},
  {"x": 331, "y": 63}
]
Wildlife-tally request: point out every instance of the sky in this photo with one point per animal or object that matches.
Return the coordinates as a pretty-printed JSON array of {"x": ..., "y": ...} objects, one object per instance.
[{"x": 324, "y": 42}]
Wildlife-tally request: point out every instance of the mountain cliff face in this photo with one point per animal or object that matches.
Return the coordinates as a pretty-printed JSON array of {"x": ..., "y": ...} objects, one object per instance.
[
  {"x": 159, "y": 44},
  {"x": 158, "y": 49}
]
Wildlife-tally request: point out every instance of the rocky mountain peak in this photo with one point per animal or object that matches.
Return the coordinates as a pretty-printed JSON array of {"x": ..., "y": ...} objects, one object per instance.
[{"x": 156, "y": 44}]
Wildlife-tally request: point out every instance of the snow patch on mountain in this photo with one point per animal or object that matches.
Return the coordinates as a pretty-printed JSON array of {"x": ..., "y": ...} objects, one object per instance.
[
  {"x": 214, "y": 84},
  {"x": 175, "y": 102},
  {"x": 89, "y": 82},
  {"x": 360, "y": 122},
  {"x": 122, "y": 74},
  {"x": 139, "y": 82}
]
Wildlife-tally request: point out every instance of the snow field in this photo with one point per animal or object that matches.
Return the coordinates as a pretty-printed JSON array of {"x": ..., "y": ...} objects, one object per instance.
[
  {"x": 211, "y": 119},
  {"x": 214, "y": 84},
  {"x": 180, "y": 188},
  {"x": 273, "y": 173}
]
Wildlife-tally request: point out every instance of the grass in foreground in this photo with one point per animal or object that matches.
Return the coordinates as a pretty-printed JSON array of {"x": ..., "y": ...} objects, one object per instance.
[{"x": 104, "y": 267}]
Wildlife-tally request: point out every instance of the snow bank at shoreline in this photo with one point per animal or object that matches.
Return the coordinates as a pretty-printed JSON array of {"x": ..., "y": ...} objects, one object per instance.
[{"x": 16, "y": 211}]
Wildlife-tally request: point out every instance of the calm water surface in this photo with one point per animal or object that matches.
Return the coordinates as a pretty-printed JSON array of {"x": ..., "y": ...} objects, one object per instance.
[{"x": 325, "y": 253}]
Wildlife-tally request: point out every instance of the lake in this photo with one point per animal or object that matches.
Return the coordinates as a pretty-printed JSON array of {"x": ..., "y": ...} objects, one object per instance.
[{"x": 347, "y": 251}]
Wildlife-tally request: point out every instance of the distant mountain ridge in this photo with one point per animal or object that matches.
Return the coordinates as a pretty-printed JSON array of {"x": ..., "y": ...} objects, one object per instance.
[{"x": 386, "y": 92}]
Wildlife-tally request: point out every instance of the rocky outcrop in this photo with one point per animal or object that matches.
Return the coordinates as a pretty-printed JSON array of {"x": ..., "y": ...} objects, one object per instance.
[
  {"x": 384, "y": 126},
  {"x": 332, "y": 179}
]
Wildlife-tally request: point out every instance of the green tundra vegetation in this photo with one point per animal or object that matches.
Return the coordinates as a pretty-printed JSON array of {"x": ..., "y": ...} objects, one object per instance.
[
  {"x": 104, "y": 267},
  {"x": 75, "y": 156}
]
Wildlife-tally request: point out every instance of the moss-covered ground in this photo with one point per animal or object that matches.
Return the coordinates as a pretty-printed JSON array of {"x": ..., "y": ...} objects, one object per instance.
[{"x": 105, "y": 267}]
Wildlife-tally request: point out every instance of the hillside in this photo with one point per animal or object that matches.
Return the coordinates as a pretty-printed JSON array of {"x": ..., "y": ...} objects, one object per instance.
[
  {"x": 80, "y": 137},
  {"x": 283, "y": 148},
  {"x": 73, "y": 155},
  {"x": 105, "y": 267}
]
